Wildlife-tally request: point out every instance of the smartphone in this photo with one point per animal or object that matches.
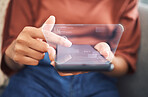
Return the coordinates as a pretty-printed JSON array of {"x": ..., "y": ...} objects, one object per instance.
[{"x": 80, "y": 58}]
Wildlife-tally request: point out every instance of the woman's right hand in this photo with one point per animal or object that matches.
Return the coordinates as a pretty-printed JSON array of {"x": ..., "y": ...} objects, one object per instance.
[{"x": 29, "y": 47}]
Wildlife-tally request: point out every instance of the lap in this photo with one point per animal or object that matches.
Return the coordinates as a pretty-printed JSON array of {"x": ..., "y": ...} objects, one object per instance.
[
  {"x": 76, "y": 86},
  {"x": 44, "y": 81}
]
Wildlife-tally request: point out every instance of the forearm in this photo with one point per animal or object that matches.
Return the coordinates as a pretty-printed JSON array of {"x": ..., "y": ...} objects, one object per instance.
[{"x": 120, "y": 67}]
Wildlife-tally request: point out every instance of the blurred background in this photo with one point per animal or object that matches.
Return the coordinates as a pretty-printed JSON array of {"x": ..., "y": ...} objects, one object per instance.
[
  {"x": 129, "y": 86},
  {"x": 144, "y": 1},
  {"x": 3, "y": 6}
]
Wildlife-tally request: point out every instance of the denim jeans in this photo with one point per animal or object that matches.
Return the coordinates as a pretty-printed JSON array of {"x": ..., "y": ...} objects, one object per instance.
[{"x": 44, "y": 81}]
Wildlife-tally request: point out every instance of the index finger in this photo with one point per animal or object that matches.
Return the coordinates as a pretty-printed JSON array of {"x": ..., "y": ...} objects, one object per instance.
[
  {"x": 49, "y": 24},
  {"x": 54, "y": 38},
  {"x": 38, "y": 33}
]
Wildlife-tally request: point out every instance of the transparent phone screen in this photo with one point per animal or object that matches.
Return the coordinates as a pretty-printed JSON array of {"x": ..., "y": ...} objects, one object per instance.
[{"x": 83, "y": 37}]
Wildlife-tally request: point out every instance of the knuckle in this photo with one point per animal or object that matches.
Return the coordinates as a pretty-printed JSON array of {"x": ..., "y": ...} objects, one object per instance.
[
  {"x": 23, "y": 40},
  {"x": 26, "y": 29},
  {"x": 20, "y": 40},
  {"x": 16, "y": 58},
  {"x": 17, "y": 49}
]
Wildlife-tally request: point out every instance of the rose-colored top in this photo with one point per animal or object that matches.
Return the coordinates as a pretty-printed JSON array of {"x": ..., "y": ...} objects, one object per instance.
[{"x": 23, "y": 13}]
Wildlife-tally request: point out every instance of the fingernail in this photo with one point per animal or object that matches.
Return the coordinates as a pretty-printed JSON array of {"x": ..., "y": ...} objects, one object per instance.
[{"x": 52, "y": 16}]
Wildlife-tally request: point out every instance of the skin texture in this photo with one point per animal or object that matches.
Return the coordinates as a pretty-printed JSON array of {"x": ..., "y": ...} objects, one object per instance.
[{"x": 29, "y": 48}]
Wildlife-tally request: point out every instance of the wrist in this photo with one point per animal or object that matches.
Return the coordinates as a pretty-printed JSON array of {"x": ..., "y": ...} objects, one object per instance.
[
  {"x": 11, "y": 64},
  {"x": 120, "y": 67}
]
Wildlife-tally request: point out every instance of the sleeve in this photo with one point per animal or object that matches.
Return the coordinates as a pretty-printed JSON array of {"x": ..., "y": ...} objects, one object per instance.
[
  {"x": 19, "y": 14},
  {"x": 130, "y": 40}
]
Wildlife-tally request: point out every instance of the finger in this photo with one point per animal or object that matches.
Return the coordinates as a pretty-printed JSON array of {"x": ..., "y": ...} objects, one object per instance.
[
  {"x": 25, "y": 60},
  {"x": 26, "y": 51},
  {"x": 49, "y": 24},
  {"x": 30, "y": 61},
  {"x": 34, "y": 32},
  {"x": 37, "y": 32},
  {"x": 54, "y": 38},
  {"x": 34, "y": 54},
  {"x": 38, "y": 45},
  {"x": 52, "y": 54}
]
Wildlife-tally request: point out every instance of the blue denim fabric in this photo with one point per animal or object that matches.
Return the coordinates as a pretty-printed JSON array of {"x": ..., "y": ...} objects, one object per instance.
[{"x": 44, "y": 81}]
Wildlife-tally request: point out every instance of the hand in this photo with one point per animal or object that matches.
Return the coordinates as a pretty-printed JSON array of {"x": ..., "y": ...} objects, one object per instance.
[
  {"x": 29, "y": 47},
  {"x": 120, "y": 64}
]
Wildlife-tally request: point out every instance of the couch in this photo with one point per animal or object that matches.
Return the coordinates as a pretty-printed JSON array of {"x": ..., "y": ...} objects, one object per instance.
[{"x": 136, "y": 85}]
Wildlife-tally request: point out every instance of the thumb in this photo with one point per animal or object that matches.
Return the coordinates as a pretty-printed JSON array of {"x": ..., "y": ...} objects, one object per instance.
[
  {"x": 49, "y": 24},
  {"x": 105, "y": 50}
]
